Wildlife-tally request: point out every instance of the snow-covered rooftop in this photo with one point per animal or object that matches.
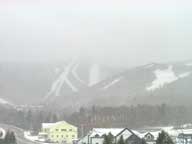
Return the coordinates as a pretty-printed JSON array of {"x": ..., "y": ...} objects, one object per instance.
[
  {"x": 48, "y": 125},
  {"x": 103, "y": 131}
]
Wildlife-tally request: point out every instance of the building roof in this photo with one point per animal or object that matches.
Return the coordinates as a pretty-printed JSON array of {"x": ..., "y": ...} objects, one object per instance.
[
  {"x": 137, "y": 133},
  {"x": 49, "y": 125},
  {"x": 185, "y": 131},
  {"x": 103, "y": 131},
  {"x": 155, "y": 134}
]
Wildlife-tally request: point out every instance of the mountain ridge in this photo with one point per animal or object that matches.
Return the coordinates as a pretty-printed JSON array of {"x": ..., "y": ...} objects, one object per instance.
[{"x": 153, "y": 83}]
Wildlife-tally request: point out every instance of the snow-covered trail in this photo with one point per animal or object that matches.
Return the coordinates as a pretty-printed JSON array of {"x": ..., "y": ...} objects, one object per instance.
[
  {"x": 112, "y": 83},
  {"x": 63, "y": 78},
  {"x": 164, "y": 77},
  {"x": 74, "y": 72}
]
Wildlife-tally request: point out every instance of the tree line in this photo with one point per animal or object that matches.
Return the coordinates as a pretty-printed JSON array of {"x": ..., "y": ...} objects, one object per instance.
[{"x": 96, "y": 116}]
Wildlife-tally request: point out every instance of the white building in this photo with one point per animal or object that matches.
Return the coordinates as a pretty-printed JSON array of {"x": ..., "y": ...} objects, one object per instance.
[{"x": 184, "y": 137}]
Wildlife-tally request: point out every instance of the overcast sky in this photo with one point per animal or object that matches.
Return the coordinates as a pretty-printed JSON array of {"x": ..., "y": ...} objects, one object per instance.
[{"x": 126, "y": 32}]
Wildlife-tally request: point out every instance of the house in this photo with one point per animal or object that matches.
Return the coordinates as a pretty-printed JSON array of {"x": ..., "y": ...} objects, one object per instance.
[
  {"x": 59, "y": 132},
  {"x": 151, "y": 135},
  {"x": 184, "y": 138},
  {"x": 96, "y": 136},
  {"x": 130, "y": 136}
]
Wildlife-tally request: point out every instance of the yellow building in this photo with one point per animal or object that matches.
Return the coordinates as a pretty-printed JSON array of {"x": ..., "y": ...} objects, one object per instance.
[{"x": 60, "y": 132}]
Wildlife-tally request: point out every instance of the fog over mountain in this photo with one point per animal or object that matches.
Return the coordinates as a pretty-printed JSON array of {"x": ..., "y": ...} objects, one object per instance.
[
  {"x": 96, "y": 71},
  {"x": 123, "y": 32},
  {"x": 61, "y": 51},
  {"x": 75, "y": 83}
]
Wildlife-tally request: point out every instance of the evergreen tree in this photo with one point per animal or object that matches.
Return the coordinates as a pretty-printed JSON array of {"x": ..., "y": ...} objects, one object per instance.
[
  {"x": 108, "y": 139},
  {"x": 9, "y": 138},
  {"x": 143, "y": 141},
  {"x": 29, "y": 119},
  {"x": 12, "y": 138},
  {"x": 105, "y": 140},
  {"x": 121, "y": 140},
  {"x": 48, "y": 118},
  {"x": 164, "y": 138},
  {"x": 54, "y": 118}
]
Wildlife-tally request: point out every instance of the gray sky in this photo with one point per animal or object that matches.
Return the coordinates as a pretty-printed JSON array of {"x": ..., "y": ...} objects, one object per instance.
[{"x": 126, "y": 32}]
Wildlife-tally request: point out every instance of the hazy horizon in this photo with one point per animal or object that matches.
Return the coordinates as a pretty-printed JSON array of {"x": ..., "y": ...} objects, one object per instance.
[{"x": 110, "y": 32}]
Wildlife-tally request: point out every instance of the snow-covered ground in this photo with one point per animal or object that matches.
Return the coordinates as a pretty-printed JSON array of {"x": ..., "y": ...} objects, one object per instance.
[
  {"x": 75, "y": 74},
  {"x": 71, "y": 70},
  {"x": 149, "y": 65},
  {"x": 183, "y": 75},
  {"x": 188, "y": 64},
  {"x": 63, "y": 78},
  {"x": 29, "y": 137},
  {"x": 3, "y": 101},
  {"x": 112, "y": 83},
  {"x": 94, "y": 74},
  {"x": 164, "y": 77}
]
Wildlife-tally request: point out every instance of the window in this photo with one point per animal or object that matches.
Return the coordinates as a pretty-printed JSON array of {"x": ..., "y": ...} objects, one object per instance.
[
  {"x": 70, "y": 130},
  {"x": 148, "y": 137},
  {"x": 63, "y": 130},
  {"x": 57, "y": 135},
  {"x": 66, "y": 135},
  {"x": 73, "y": 136},
  {"x": 56, "y": 129}
]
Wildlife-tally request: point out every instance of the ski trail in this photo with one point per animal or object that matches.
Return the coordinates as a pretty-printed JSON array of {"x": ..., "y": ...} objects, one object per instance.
[
  {"x": 112, "y": 83},
  {"x": 64, "y": 78},
  {"x": 57, "y": 85},
  {"x": 74, "y": 72}
]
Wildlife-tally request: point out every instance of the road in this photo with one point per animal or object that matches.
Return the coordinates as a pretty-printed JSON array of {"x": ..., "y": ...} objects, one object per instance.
[{"x": 19, "y": 133}]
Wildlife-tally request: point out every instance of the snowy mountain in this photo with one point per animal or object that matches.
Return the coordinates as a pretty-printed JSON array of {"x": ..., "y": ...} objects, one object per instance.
[
  {"x": 76, "y": 83},
  {"x": 153, "y": 83},
  {"x": 6, "y": 104},
  {"x": 33, "y": 83},
  {"x": 149, "y": 84}
]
